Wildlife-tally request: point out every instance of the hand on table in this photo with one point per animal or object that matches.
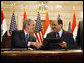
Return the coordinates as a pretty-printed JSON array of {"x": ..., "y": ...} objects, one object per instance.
[{"x": 63, "y": 44}]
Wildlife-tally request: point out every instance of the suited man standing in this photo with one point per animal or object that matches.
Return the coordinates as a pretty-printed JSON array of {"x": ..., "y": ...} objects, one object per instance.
[
  {"x": 24, "y": 38},
  {"x": 79, "y": 38},
  {"x": 67, "y": 41}
]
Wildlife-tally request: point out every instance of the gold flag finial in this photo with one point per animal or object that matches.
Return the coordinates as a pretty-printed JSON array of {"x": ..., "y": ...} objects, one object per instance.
[
  {"x": 46, "y": 11},
  {"x": 24, "y": 10},
  {"x": 58, "y": 12},
  {"x": 73, "y": 11},
  {"x": 13, "y": 10},
  {"x": 38, "y": 10}
]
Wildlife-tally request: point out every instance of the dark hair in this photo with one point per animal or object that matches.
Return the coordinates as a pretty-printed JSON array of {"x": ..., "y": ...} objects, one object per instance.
[{"x": 60, "y": 21}]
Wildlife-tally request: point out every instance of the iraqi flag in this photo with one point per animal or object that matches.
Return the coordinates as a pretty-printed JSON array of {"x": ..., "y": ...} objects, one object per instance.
[
  {"x": 47, "y": 28},
  {"x": 74, "y": 27},
  {"x": 25, "y": 17},
  {"x": 3, "y": 25}
]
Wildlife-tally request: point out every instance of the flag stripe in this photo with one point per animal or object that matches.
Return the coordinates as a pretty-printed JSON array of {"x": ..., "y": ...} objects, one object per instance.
[
  {"x": 75, "y": 32},
  {"x": 37, "y": 37},
  {"x": 40, "y": 37},
  {"x": 47, "y": 31},
  {"x": 74, "y": 22},
  {"x": 2, "y": 16},
  {"x": 25, "y": 17}
]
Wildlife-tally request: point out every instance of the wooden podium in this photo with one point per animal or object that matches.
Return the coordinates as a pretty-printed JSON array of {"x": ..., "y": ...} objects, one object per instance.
[{"x": 42, "y": 56}]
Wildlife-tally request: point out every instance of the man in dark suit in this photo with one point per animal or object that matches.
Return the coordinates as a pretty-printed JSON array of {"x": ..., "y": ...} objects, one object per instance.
[
  {"x": 79, "y": 38},
  {"x": 67, "y": 41},
  {"x": 24, "y": 38}
]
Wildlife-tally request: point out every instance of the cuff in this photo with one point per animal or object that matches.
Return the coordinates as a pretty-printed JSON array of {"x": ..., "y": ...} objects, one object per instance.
[{"x": 28, "y": 44}]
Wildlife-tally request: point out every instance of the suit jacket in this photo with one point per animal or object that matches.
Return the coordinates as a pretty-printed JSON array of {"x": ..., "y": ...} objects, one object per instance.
[
  {"x": 66, "y": 36},
  {"x": 79, "y": 38},
  {"x": 18, "y": 39}
]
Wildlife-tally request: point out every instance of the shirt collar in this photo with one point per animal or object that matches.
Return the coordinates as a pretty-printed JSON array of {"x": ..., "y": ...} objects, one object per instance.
[
  {"x": 60, "y": 32},
  {"x": 26, "y": 33}
]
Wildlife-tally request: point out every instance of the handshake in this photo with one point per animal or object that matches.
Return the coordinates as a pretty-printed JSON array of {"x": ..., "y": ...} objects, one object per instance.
[{"x": 36, "y": 44}]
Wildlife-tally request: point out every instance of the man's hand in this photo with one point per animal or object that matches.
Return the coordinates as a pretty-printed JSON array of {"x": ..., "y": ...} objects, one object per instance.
[
  {"x": 63, "y": 44},
  {"x": 36, "y": 44},
  {"x": 32, "y": 43}
]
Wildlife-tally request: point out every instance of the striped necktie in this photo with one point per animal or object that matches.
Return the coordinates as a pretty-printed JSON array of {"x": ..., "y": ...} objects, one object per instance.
[
  {"x": 57, "y": 36},
  {"x": 26, "y": 38}
]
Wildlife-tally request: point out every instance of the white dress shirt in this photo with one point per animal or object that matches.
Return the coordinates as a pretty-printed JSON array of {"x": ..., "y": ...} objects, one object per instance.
[{"x": 60, "y": 32}]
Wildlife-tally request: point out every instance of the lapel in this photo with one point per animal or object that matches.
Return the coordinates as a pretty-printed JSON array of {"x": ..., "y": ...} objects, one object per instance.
[
  {"x": 29, "y": 36},
  {"x": 63, "y": 34},
  {"x": 54, "y": 35},
  {"x": 23, "y": 34}
]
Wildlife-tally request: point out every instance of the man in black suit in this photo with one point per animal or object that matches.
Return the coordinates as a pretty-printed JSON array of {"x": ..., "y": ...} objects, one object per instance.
[
  {"x": 67, "y": 41},
  {"x": 79, "y": 38},
  {"x": 24, "y": 38}
]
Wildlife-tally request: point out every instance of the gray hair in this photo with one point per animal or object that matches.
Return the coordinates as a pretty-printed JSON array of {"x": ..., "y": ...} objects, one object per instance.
[{"x": 27, "y": 21}]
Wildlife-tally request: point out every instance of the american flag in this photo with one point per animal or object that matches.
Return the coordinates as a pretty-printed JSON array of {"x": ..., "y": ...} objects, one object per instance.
[
  {"x": 13, "y": 25},
  {"x": 38, "y": 30}
]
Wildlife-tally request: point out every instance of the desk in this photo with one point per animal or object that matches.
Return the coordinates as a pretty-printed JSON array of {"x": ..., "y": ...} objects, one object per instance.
[{"x": 42, "y": 56}]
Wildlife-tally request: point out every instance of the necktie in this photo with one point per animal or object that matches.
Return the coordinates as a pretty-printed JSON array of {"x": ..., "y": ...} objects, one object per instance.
[
  {"x": 26, "y": 38},
  {"x": 57, "y": 35}
]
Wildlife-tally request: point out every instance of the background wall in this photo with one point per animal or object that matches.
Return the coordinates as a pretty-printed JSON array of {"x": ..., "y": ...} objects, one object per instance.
[{"x": 65, "y": 8}]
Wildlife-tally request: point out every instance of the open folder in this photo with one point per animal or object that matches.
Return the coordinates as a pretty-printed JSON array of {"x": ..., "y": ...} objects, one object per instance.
[{"x": 52, "y": 40}]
